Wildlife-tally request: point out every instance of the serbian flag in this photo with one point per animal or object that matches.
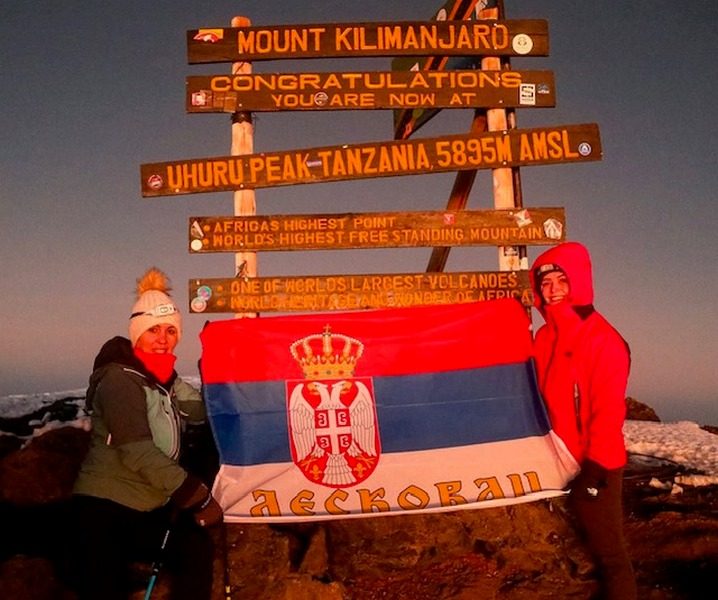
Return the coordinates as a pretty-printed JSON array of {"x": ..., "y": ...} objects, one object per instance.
[{"x": 382, "y": 412}]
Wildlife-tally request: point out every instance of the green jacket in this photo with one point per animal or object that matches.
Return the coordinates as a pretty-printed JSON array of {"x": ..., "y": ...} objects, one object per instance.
[{"x": 136, "y": 427}]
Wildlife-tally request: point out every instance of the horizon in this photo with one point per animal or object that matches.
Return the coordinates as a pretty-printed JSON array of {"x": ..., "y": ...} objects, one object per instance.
[{"x": 664, "y": 414}]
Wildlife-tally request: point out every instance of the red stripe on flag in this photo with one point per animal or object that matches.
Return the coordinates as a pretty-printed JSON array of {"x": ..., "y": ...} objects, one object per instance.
[{"x": 396, "y": 341}]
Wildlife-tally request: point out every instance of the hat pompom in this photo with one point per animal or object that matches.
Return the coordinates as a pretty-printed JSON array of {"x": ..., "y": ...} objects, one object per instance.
[{"x": 153, "y": 279}]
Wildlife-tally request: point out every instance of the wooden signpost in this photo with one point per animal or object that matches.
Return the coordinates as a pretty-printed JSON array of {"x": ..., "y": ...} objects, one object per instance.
[
  {"x": 541, "y": 146},
  {"x": 354, "y": 292},
  {"x": 434, "y": 69},
  {"x": 369, "y": 90},
  {"x": 346, "y": 40},
  {"x": 537, "y": 226}
]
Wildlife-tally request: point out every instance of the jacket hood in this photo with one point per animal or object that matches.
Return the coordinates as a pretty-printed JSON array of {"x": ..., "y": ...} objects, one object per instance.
[
  {"x": 118, "y": 351},
  {"x": 574, "y": 260}
]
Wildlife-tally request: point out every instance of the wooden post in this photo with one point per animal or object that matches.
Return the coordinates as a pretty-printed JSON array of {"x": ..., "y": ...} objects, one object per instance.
[
  {"x": 493, "y": 119},
  {"x": 243, "y": 143},
  {"x": 503, "y": 179},
  {"x": 459, "y": 197}
]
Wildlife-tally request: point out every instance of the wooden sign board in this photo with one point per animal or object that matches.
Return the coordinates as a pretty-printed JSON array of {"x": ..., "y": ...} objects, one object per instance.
[
  {"x": 369, "y": 90},
  {"x": 354, "y": 292},
  {"x": 535, "y": 226},
  {"x": 464, "y": 152},
  {"x": 347, "y": 40}
]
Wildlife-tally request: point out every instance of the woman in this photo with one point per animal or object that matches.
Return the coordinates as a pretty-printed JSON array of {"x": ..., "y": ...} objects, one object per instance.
[
  {"x": 582, "y": 364},
  {"x": 131, "y": 489}
]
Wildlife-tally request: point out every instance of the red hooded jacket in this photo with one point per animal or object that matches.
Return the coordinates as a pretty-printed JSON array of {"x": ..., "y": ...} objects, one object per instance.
[{"x": 582, "y": 363}]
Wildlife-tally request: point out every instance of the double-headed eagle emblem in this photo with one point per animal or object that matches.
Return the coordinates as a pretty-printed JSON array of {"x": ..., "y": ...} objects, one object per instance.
[{"x": 332, "y": 417}]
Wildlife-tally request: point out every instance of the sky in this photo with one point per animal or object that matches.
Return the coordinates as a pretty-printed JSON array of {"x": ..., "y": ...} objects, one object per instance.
[{"x": 91, "y": 91}]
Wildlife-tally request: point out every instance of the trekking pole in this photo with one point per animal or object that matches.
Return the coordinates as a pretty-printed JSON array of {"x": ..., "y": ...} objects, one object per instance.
[
  {"x": 225, "y": 557},
  {"x": 157, "y": 564}
]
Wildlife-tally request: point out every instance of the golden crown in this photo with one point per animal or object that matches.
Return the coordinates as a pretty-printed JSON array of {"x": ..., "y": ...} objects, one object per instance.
[{"x": 327, "y": 355}]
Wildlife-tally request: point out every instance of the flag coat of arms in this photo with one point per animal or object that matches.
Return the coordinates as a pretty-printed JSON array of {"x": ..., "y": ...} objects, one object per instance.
[{"x": 381, "y": 412}]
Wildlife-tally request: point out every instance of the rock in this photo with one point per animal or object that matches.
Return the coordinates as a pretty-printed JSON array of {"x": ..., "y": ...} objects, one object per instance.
[
  {"x": 302, "y": 587},
  {"x": 62, "y": 410},
  {"x": 44, "y": 470},
  {"x": 512, "y": 552},
  {"x": 637, "y": 411},
  {"x": 673, "y": 540},
  {"x": 8, "y": 444},
  {"x": 31, "y": 578},
  {"x": 315, "y": 561}
]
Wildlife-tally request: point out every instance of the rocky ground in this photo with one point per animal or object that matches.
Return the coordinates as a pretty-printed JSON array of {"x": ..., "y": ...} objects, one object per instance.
[{"x": 521, "y": 552}]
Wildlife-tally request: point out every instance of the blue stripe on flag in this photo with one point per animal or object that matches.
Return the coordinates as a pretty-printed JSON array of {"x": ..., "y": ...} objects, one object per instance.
[{"x": 416, "y": 412}]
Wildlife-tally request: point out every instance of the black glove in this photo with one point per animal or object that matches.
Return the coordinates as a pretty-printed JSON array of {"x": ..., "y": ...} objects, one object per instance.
[
  {"x": 209, "y": 513},
  {"x": 191, "y": 493},
  {"x": 195, "y": 496},
  {"x": 588, "y": 484}
]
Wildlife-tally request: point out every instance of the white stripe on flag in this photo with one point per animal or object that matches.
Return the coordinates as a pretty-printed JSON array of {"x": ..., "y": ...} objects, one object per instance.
[{"x": 467, "y": 477}]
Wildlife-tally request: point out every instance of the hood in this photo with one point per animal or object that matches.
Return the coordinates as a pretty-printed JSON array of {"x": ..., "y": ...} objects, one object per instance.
[
  {"x": 574, "y": 260},
  {"x": 118, "y": 350}
]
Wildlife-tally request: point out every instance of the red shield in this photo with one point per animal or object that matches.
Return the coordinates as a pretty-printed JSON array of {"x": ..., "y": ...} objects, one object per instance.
[{"x": 333, "y": 433}]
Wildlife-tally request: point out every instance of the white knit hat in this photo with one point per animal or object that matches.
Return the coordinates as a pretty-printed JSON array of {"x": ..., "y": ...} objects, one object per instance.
[{"x": 153, "y": 305}]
